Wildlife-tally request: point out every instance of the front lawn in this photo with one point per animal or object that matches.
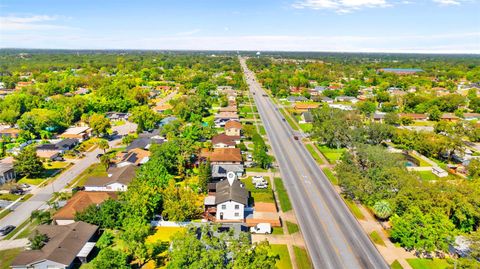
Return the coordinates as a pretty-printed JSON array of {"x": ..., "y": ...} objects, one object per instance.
[
  {"x": 7, "y": 257},
  {"x": 396, "y": 265},
  {"x": 427, "y": 175},
  {"x": 428, "y": 263},
  {"x": 376, "y": 238},
  {"x": 277, "y": 230},
  {"x": 354, "y": 209},
  {"x": 163, "y": 234},
  {"x": 257, "y": 170},
  {"x": 282, "y": 251},
  {"x": 303, "y": 262},
  {"x": 306, "y": 127},
  {"x": 314, "y": 153},
  {"x": 282, "y": 195},
  {"x": 95, "y": 170},
  {"x": 333, "y": 179},
  {"x": 292, "y": 227},
  {"x": 332, "y": 155},
  {"x": 259, "y": 195}
]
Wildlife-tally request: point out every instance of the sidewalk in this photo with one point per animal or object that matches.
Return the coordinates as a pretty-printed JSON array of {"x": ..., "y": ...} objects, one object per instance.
[{"x": 17, "y": 243}]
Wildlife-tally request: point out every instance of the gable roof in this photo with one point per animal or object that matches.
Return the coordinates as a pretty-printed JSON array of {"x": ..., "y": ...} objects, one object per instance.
[
  {"x": 225, "y": 139},
  {"x": 64, "y": 244},
  {"x": 223, "y": 155},
  {"x": 228, "y": 109},
  {"x": 122, "y": 175},
  {"x": 80, "y": 201},
  {"x": 235, "y": 192},
  {"x": 136, "y": 156},
  {"x": 233, "y": 124}
]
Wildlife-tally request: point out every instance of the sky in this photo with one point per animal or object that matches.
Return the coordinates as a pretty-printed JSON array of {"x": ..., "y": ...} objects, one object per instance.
[{"x": 422, "y": 26}]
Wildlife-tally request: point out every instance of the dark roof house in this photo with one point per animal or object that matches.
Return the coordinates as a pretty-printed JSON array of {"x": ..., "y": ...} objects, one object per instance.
[{"x": 231, "y": 192}]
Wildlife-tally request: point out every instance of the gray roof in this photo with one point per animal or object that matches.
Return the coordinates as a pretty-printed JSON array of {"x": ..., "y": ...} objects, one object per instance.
[
  {"x": 296, "y": 98},
  {"x": 65, "y": 242},
  {"x": 221, "y": 170},
  {"x": 307, "y": 116},
  {"x": 5, "y": 167},
  {"x": 236, "y": 192},
  {"x": 123, "y": 175}
]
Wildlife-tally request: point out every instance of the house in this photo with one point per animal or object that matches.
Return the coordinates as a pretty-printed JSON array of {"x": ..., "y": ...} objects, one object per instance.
[
  {"x": 449, "y": 117},
  {"x": 341, "y": 107},
  {"x": 233, "y": 128},
  {"x": 220, "y": 171},
  {"x": 302, "y": 107},
  {"x": 60, "y": 145},
  {"x": 327, "y": 100},
  {"x": 222, "y": 156},
  {"x": 293, "y": 99},
  {"x": 379, "y": 116},
  {"x": 222, "y": 117},
  {"x": 67, "y": 246},
  {"x": 401, "y": 71},
  {"x": 228, "y": 109},
  {"x": 145, "y": 141},
  {"x": 471, "y": 116},
  {"x": 7, "y": 172},
  {"x": 81, "y": 133},
  {"x": 117, "y": 180},
  {"x": 162, "y": 108},
  {"x": 52, "y": 154},
  {"x": 9, "y": 132},
  {"x": 350, "y": 99},
  {"x": 134, "y": 156},
  {"x": 229, "y": 201},
  {"x": 163, "y": 88},
  {"x": 117, "y": 116},
  {"x": 79, "y": 202},
  {"x": 306, "y": 117},
  {"x": 225, "y": 141},
  {"x": 413, "y": 116},
  {"x": 22, "y": 84}
]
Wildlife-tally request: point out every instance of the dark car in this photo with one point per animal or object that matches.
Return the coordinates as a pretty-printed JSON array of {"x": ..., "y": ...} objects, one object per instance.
[
  {"x": 264, "y": 95},
  {"x": 6, "y": 230},
  {"x": 283, "y": 119},
  {"x": 17, "y": 191},
  {"x": 99, "y": 155},
  {"x": 295, "y": 137},
  {"x": 78, "y": 188}
]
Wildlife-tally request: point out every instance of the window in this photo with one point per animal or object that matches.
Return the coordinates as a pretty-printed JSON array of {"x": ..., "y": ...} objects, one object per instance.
[
  {"x": 224, "y": 206},
  {"x": 237, "y": 214},
  {"x": 237, "y": 207}
]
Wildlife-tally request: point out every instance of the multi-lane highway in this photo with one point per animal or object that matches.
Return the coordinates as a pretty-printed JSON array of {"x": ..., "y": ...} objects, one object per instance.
[{"x": 333, "y": 236}]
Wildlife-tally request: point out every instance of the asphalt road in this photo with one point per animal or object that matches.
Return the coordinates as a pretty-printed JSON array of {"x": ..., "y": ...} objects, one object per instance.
[{"x": 333, "y": 236}]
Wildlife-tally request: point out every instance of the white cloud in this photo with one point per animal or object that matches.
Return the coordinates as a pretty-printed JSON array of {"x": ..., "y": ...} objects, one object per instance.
[
  {"x": 340, "y": 6},
  {"x": 188, "y": 33},
  {"x": 34, "y": 22},
  {"x": 448, "y": 2}
]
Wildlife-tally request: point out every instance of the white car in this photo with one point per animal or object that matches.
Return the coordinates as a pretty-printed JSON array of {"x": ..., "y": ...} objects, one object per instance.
[
  {"x": 261, "y": 228},
  {"x": 261, "y": 185},
  {"x": 256, "y": 179}
]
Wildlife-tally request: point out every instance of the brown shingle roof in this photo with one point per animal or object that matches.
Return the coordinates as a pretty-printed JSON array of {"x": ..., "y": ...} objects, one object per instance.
[
  {"x": 223, "y": 155},
  {"x": 413, "y": 116},
  {"x": 80, "y": 201},
  {"x": 225, "y": 139},
  {"x": 65, "y": 242},
  {"x": 233, "y": 124},
  {"x": 235, "y": 192}
]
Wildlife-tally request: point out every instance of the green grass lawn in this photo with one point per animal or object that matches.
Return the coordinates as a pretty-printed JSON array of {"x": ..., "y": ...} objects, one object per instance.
[
  {"x": 282, "y": 251},
  {"x": 7, "y": 257},
  {"x": 330, "y": 176},
  {"x": 277, "y": 230},
  {"x": 303, "y": 262},
  {"x": 9, "y": 197},
  {"x": 428, "y": 263},
  {"x": 314, "y": 153},
  {"x": 4, "y": 213},
  {"x": 163, "y": 234},
  {"x": 396, "y": 265},
  {"x": 292, "y": 227},
  {"x": 262, "y": 130},
  {"x": 263, "y": 197},
  {"x": 354, "y": 209},
  {"x": 257, "y": 169},
  {"x": 376, "y": 238},
  {"x": 118, "y": 123},
  {"x": 427, "y": 175},
  {"x": 27, "y": 231},
  {"x": 285, "y": 203},
  {"x": 95, "y": 170},
  {"x": 332, "y": 155},
  {"x": 306, "y": 127},
  {"x": 259, "y": 195}
]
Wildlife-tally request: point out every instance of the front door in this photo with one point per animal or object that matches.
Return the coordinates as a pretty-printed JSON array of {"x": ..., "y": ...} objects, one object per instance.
[{"x": 221, "y": 215}]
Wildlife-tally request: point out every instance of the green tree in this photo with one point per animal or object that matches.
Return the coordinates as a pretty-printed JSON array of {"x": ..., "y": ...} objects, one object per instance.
[
  {"x": 99, "y": 124},
  {"x": 367, "y": 108},
  {"x": 38, "y": 240},
  {"x": 180, "y": 203},
  {"x": 204, "y": 175},
  {"x": 103, "y": 144},
  {"x": 382, "y": 209},
  {"x": 27, "y": 163},
  {"x": 474, "y": 168},
  {"x": 145, "y": 118},
  {"x": 434, "y": 113},
  {"x": 108, "y": 215},
  {"x": 41, "y": 217},
  {"x": 109, "y": 258}
]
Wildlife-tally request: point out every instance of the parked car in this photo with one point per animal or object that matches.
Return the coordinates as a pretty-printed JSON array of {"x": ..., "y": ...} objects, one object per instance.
[
  {"x": 295, "y": 137},
  {"x": 17, "y": 191},
  {"x": 258, "y": 179},
  {"x": 6, "y": 230},
  {"x": 249, "y": 157},
  {"x": 78, "y": 188},
  {"x": 99, "y": 155},
  {"x": 24, "y": 186},
  {"x": 261, "y": 228},
  {"x": 283, "y": 119},
  {"x": 261, "y": 185}
]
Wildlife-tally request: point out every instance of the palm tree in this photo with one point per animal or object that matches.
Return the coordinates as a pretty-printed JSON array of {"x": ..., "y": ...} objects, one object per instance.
[
  {"x": 382, "y": 209},
  {"x": 103, "y": 144}
]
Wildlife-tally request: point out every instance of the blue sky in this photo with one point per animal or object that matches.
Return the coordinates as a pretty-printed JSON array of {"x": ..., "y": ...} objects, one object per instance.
[{"x": 439, "y": 26}]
